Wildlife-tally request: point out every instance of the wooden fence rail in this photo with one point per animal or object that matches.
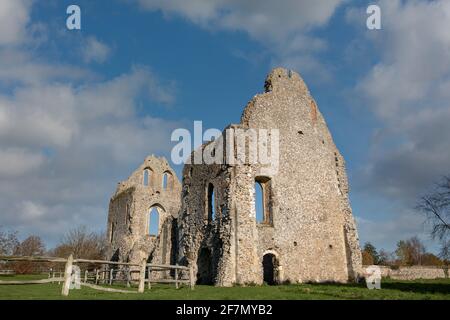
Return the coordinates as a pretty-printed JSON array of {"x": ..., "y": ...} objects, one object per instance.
[
  {"x": 161, "y": 267},
  {"x": 41, "y": 281},
  {"x": 32, "y": 259},
  {"x": 106, "y": 262},
  {"x": 106, "y": 275}
]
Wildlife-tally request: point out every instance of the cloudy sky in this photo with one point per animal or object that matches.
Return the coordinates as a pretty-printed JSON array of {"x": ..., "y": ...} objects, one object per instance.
[{"x": 79, "y": 110}]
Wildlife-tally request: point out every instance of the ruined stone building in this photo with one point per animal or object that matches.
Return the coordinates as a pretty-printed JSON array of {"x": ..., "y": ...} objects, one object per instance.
[
  {"x": 304, "y": 230},
  {"x": 143, "y": 214}
]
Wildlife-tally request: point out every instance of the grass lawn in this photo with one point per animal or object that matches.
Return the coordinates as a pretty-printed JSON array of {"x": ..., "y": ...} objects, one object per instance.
[{"x": 391, "y": 289}]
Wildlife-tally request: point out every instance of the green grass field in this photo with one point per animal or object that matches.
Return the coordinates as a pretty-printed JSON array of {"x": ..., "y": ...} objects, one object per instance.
[{"x": 424, "y": 290}]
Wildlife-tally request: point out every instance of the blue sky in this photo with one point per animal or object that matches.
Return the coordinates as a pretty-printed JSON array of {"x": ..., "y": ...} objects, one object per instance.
[{"x": 79, "y": 110}]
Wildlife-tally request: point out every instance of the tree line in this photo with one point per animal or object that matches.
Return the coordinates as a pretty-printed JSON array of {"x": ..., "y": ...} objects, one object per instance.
[
  {"x": 435, "y": 205},
  {"x": 409, "y": 252},
  {"x": 79, "y": 241}
]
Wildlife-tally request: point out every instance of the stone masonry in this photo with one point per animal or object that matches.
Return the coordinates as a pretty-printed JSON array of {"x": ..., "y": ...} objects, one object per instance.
[
  {"x": 307, "y": 231},
  {"x": 413, "y": 272},
  {"x": 129, "y": 215}
]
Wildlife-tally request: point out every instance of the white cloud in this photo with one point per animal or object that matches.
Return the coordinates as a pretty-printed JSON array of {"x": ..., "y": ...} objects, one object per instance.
[
  {"x": 384, "y": 234},
  {"x": 16, "y": 162},
  {"x": 262, "y": 19},
  {"x": 14, "y": 17},
  {"x": 415, "y": 45},
  {"x": 41, "y": 115},
  {"x": 408, "y": 91},
  {"x": 101, "y": 115},
  {"x": 94, "y": 51},
  {"x": 20, "y": 67},
  {"x": 283, "y": 28},
  {"x": 67, "y": 137},
  {"x": 32, "y": 211},
  {"x": 65, "y": 147}
]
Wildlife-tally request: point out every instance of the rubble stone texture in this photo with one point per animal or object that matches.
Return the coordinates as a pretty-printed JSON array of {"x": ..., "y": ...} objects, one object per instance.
[
  {"x": 413, "y": 272},
  {"x": 308, "y": 232},
  {"x": 129, "y": 215}
]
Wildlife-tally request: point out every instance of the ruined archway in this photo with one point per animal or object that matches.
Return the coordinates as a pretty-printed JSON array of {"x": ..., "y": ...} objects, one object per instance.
[
  {"x": 270, "y": 265},
  {"x": 204, "y": 265}
]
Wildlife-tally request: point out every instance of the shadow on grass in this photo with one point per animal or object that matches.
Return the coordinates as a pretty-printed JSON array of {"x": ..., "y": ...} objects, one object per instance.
[
  {"x": 337, "y": 284},
  {"x": 418, "y": 287},
  {"x": 437, "y": 285}
]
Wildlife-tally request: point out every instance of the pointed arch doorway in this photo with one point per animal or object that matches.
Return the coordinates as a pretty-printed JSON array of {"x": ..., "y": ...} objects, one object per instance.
[{"x": 270, "y": 264}]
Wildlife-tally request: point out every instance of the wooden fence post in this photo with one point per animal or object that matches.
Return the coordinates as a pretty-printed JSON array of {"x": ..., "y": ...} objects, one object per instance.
[
  {"x": 67, "y": 276},
  {"x": 111, "y": 276},
  {"x": 128, "y": 275},
  {"x": 191, "y": 277},
  {"x": 85, "y": 276},
  {"x": 142, "y": 276},
  {"x": 176, "y": 277},
  {"x": 149, "y": 277}
]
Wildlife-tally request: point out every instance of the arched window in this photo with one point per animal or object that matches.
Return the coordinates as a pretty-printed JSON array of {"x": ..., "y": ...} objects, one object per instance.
[
  {"x": 263, "y": 201},
  {"x": 147, "y": 177},
  {"x": 211, "y": 203},
  {"x": 165, "y": 180},
  {"x": 259, "y": 202},
  {"x": 111, "y": 234},
  {"x": 127, "y": 212},
  {"x": 153, "y": 221}
]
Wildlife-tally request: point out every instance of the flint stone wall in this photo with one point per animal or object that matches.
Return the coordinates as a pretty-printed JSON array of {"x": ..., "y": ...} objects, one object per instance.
[
  {"x": 414, "y": 272},
  {"x": 128, "y": 218},
  {"x": 308, "y": 233},
  {"x": 312, "y": 234}
]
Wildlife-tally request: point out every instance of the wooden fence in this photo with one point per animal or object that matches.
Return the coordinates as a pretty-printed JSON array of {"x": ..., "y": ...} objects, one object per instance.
[{"x": 105, "y": 276}]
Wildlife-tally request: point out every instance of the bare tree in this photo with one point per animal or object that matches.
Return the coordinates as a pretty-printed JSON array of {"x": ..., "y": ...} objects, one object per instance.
[
  {"x": 386, "y": 258},
  {"x": 8, "y": 242},
  {"x": 430, "y": 259},
  {"x": 410, "y": 252},
  {"x": 445, "y": 251},
  {"x": 436, "y": 206},
  {"x": 82, "y": 244},
  {"x": 31, "y": 246}
]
